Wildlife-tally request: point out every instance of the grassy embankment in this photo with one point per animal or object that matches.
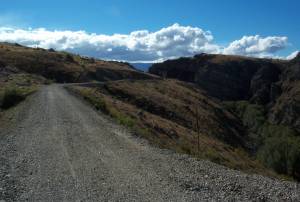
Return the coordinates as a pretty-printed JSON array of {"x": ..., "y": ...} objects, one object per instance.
[
  {"x": 16, "y": 87},
  {"x": 162, "y": 112}
]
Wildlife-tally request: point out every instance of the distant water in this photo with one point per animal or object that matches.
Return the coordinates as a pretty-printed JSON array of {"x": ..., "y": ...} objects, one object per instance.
[{"x": 142, "y": 66}]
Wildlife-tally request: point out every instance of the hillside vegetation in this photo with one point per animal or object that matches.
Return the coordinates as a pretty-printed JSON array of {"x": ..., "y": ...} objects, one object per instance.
[
  {"x": 264, "y": 94},
  {"x": 62, "y": 66},
  {"x": 240, "y": 112},
  {"x": 166, "y": 112},
  {"x": 14, "y": 88},
  {"x": 24, "y": 69}
]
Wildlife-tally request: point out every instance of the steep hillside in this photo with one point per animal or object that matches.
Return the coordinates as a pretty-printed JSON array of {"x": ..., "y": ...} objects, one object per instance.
[
  {"x": 23, "y": 69},
  {"x": 263, "y": 93},
  {"x": 272, "y": 83},
  {"x": 235, "y": 111},
  {"x": 62, "y": 66},
  {"x": 286, "y": 109},
  {"x": 176, "y": 115},
  {"x": 226, "y": 77}
]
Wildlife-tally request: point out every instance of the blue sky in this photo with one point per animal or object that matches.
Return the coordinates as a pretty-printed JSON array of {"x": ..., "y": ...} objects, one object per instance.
[{"x": 227, "y": 21}]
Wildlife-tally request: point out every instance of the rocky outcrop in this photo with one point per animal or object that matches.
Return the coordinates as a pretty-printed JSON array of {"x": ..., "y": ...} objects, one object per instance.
[
  {"x": 225, "y": 77},
  {"x": 263, "y": 82},
  {"x": 274, "y": 84},
  {"x": 286, "y": 109}
]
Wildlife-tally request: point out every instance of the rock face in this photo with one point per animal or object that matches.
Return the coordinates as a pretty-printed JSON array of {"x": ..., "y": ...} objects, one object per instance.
[
  {"x": 271, "y": 83},
  {"x": 286, "y": 109},
  {"x": 225, "y": 77},
  {"x": 263, "y": 86}
]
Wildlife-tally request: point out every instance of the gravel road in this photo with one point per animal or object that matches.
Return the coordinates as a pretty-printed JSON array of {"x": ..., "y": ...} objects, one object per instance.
[{"x": 57, "y": 148}]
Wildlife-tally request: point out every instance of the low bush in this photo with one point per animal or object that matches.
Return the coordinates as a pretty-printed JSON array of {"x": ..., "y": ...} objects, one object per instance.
[
  {"x": 276, "y": 146},
  {"x": 11, "y": 97},
  {"x": 282, "y": 153},
  {"x": 252, "y": 115},
  {"x": 99, "y": 103}
]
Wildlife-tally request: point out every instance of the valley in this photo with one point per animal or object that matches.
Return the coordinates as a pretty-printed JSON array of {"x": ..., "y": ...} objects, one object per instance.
[{"x": 209, "y": 126}]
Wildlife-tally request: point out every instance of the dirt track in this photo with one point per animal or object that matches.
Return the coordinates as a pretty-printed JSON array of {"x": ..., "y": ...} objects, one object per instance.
[{"x": 57, "y": 148}]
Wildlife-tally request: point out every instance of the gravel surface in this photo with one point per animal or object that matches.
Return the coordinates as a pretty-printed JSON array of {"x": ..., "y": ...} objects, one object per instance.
[{"x": 57, "y": 148}]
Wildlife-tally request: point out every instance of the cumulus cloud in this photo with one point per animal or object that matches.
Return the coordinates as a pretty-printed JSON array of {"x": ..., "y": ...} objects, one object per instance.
[
  {"x": 257, "y": 46},
  {"x": 142, "y": 45},
  {"x": 292, "y": 55}
]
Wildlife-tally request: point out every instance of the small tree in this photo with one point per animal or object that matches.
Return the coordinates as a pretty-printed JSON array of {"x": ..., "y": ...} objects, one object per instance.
[{"x": 282, "y": 153}]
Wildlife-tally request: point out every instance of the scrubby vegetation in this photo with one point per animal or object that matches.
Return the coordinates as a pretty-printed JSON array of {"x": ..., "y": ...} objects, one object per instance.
[
  {"x": 234, "y": 133},
  {"x": 62, "y": 67},
  {"x": 276, "y": 146},
  {"x": 263, "y": 94},
  {"x": 15, "y": 88},
  {"x": 11, "y": 97},
  {"x": 282, "y": 153},
  {"x": 161, "y": 115}
]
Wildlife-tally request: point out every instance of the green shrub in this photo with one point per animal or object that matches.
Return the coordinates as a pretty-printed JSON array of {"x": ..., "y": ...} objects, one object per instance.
[
  {"x": 97, "y": 102},
  {"x": 270, "y": 130},
  {"x": 122, "y": 118},
  {"x": 252, "y": 115},
  {"x": 100, "y": 104},
  {"x": 126, "y": 121},
  {"x": 282, "y": 153},
  {"x": 278, "y": 146},
  {"x": 213, "y": 155},
  {"x": 11, "y": 97}
]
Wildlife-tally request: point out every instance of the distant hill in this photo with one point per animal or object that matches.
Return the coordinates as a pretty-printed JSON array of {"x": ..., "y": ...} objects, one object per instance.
[
  {"x": 226, "y": 77},
  {"x": 62, "y": 66},
  {"x": 142, "y": 66},
  {"x": 233, "y": 78}
]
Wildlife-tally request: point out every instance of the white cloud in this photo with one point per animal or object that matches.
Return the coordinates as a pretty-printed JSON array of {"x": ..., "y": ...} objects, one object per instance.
[
  {"x": 257, "y": 46},
  {"x": 292, "y": 55},
  {"x": 143, "y": 45}
]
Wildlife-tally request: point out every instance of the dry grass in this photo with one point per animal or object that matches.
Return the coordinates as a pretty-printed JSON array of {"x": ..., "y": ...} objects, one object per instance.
[
  {"x": 128, "y": 103},
  {"x": 63, "y": 66},
  {"x": 177, "y": 101},
  {"x": 14, "y": 88}
]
